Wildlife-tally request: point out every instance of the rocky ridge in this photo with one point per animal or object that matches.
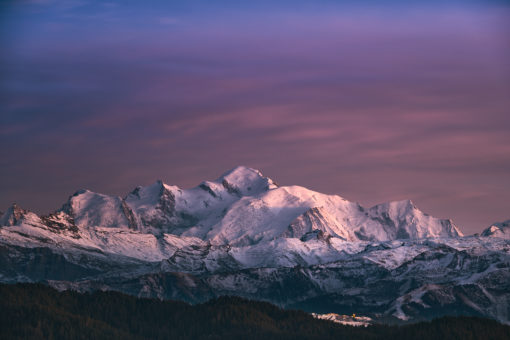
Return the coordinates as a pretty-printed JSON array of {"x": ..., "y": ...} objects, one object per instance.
[{"x": 242, "y": 234}]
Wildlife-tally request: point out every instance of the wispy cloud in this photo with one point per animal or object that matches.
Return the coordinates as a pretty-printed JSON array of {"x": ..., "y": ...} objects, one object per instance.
[{"x": 372, "y": 104}]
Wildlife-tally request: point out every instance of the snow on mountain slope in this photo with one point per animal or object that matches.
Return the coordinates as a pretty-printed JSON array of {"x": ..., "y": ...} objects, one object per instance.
[
  {"x": 90, "y": 209},
  {"x": 406, "y": 221},
  {"x": 242, "y": 234},
  {"x": 16, "y": 215},
  {"x": 501, "y": 229},
  {"x": 253, "y": 219},
  {"x": 240, "y": 208},
  {"x": 316, "y": 223},
  {"x": 246, "y": 181},
  {"x": 99, "y": 240},
  {"x": 194, "y": 211},
  {"x": 295, "y": 211}
]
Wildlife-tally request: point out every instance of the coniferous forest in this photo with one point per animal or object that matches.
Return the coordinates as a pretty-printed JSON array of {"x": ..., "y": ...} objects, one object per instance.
[{"x": 35, "y": 311}]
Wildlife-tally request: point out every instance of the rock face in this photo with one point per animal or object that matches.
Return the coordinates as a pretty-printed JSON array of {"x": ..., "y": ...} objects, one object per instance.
[
  {"x": 242, "y": 234},
  {"x": 501, "y": 229},
  {"x": 15, "y": 216}
]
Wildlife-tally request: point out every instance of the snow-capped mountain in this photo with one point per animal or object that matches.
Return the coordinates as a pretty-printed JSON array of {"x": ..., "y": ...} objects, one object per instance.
[
  {"x": 501, "y": 229},
  {"x": 243, "y": 207},
  {"x": 243, "y": 234}
]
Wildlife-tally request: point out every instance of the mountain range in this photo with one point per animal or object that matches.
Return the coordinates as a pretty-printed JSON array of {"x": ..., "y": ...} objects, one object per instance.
[{"x": 243, "y": 234}]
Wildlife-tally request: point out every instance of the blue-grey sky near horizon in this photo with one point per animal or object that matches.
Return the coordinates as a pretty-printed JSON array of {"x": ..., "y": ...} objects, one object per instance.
[{"x": 371, "y": 100}]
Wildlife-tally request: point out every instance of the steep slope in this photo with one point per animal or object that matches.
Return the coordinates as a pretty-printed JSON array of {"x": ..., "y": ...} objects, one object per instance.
[
  {"x": 242, "y": 207},
  {"x": 294, "y": 211},
  {"x": 501, "y": 229},
  {"x": 405, "y": 221},
  {"x": 89, "y": 209},
  {"x": 242, "y": 234},
  {"x": 16, "y": 215},
  {"x": 32, "y": 311},
  {"x": 192, "y": 212}
]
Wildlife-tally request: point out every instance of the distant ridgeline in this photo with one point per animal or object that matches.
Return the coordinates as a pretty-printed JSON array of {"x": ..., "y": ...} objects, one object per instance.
[
  {"x": 33, "y": 311},
  {"x": 244, "y": 235}
]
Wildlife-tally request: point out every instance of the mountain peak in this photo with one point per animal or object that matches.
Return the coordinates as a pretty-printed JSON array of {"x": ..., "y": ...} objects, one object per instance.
[
  {"x": 411, "y": 222},
  {"x": 245, "y": 181},
  {"x": 398, "y": 207},
  {"x": 241, "y": 171},
  {"x": 407, "y": 202},
  {"x": 16, "y": 215},
  {"x": 13, "y": 215},
  {"x": 80, "y": 192},
  {"x": 500, "y": 229}
]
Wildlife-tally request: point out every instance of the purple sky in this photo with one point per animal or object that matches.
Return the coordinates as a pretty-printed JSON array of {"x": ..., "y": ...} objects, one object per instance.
[{"x": 374, "y": 103}]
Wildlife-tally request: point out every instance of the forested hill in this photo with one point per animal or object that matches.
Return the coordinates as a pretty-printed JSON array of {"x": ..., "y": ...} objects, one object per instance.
[{"x": 33, "y": 311}]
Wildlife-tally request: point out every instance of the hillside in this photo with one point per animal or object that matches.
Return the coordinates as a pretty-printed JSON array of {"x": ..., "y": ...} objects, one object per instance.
[{"x": 32, "y": 311}]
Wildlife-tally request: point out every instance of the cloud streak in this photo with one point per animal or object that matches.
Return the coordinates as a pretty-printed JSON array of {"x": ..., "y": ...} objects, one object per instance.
[{"x": 373, "y": 104}]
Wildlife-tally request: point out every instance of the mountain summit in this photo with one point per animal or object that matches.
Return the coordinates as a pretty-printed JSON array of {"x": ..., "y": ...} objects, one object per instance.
[
  {"x": 242, "y": 234},
  {"x": 243, "y": 207},
  {"x": 500, "y": 229}
]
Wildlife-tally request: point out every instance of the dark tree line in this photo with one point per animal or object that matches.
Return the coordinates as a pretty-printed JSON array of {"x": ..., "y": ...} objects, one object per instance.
[{"x": 34, "y": 311}]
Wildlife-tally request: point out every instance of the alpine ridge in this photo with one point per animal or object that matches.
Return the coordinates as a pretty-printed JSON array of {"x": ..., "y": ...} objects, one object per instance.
[{"x": 243, "y": 234}]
